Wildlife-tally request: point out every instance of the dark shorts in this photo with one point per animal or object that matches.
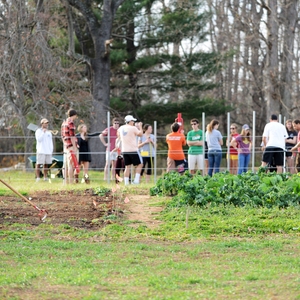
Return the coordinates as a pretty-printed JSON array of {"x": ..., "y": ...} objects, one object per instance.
[
  {"x": 181, "y": 165},
  {"x": 273, "y": 156},
  {"x": 132, "y": 158},
  {"x": 288, "y": 153}
]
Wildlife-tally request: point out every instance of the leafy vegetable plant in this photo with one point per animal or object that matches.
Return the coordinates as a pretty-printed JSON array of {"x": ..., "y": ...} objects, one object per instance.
[{"x": 248, "y": 189}]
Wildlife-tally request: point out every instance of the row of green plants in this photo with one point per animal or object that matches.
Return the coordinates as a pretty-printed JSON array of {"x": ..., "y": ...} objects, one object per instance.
[{"x": 248, "y": 189}]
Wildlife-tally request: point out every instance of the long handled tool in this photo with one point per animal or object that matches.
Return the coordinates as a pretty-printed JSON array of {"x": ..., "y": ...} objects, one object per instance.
[
  {"x": 42, "y": 212},
  {"x": 75, "y": 162}
]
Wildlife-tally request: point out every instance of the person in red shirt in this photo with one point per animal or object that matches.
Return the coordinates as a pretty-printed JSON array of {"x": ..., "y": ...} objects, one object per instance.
[
  {"x": 176, "y": 158},
  {"x": 70, "y": 144}
]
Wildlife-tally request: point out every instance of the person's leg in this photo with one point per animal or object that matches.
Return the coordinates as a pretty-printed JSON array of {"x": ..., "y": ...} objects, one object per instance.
[
  {"x": 298, "y": 162},
  {"x": 199, "y": 162},
  {"x": 279, "y": 159},
  {"x": 218, "y": 157},
  {"x": 40, "y": 160},
  {"x": 126, "y": 174},
  {"x": 70, "y": 169},
  {"x": 192, "y": 163},
  {"x": 170, "y": 165},
  {"x": 241, "y": 163},
  {"x": 113, "y": 159},
  {"x": 45, "y": 171},
  {"x": 37, "y": 171},
  {"x": 211, "y": 162},
  {"x": 234, "y": 165},
  {"x": 246, "y": 162},
  {"x": 150, "y": 167}
]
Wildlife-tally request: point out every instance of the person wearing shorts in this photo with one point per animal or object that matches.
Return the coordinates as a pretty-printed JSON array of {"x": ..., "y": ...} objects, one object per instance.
[
  {"x": 195, "y": 142},
  {"x": 110, "y": 155},
  {"x": 176, "y": 159},
  {"x": 44, "y": 149},
  {"x": 274, "y": 136},
  {"x": 233, "y": 153},
  {"x": 128, "y": 134}
]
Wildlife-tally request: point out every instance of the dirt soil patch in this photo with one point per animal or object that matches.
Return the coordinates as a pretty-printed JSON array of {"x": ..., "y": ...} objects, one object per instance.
[{"x": 83, "y": 209}]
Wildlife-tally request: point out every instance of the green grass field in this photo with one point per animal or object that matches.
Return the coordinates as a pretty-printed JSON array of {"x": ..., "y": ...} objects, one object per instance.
[{"x": 228, "y": 253}]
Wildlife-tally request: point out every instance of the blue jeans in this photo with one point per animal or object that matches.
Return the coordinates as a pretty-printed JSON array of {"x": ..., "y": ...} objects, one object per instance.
[
  {"x": 214, "y": 161},
  {"x": 243, "y": 163}
]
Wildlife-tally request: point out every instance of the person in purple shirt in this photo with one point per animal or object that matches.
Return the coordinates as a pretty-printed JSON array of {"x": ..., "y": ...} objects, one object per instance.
[{"x": 243, "y": 144}]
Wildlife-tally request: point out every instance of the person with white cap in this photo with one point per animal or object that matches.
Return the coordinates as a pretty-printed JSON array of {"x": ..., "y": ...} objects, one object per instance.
[
  {"x": 128, "y": 134},
  {"x": 44, "y": 149},
  {"x": 274, "y": 137},
  {"x": 242, "y": 143}
]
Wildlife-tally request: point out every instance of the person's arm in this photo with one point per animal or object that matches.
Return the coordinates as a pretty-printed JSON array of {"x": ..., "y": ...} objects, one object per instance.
[
  {"x": 296, "y": 146},
  {"x": 152, "y": 141},
  {"x": 264, "y": 141},
  {"x": 93, "y": 134},
  {"x": 140, "y": 128},
  {"x": 193, "y": 143},
  {"x": 221, "y": 140},
  {"x": 102, "y": 137},
  {"x": 234, "y": 143},
  {"x": 140, "y": 143}
]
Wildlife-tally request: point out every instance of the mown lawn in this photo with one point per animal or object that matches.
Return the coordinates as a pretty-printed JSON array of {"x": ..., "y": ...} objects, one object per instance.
[{"x": 228, "y": 253}]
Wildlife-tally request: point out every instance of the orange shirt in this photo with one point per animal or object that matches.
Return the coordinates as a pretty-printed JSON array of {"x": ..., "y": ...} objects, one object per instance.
[{"x": 176, "y": 141}]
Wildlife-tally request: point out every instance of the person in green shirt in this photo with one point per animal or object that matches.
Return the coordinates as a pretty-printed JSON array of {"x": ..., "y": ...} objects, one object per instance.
[{"x": 195, "y": 143}]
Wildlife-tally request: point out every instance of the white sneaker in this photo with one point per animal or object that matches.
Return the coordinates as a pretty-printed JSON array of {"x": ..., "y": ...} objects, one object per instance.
[
  {"x": 46, "y": 179},
  {"x": 134, "y": 182},
  {"x": 38, "y": 179}
]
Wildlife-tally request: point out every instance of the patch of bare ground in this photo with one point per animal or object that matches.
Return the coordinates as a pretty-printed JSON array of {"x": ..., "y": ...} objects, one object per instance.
[
  {"x": 83, "y": 209},
  {"x": 142, "y": 211}
]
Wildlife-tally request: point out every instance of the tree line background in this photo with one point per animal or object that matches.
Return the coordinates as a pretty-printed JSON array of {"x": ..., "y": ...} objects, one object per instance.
[{"x": 148, "y": 58}]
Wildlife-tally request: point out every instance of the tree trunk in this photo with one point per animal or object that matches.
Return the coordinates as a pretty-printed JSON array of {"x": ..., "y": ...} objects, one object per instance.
[
  {"x": 272, "y": 91},
  {"x": 100, "y": 69},
  {"x": 290, "y": 18}
]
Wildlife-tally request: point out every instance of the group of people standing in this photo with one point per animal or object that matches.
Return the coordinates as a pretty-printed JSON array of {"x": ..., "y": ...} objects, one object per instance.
[
  {"x": 133, "y": 144},
  {"x": 207, "y": 150},
  {"x": 279, "y": 143}
]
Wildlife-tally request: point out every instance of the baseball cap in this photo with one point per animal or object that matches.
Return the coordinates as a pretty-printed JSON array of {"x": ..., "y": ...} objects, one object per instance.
[
  {"x": 246, "y": 127},
  {"x": 129, "y": 118},
  {"x": 43, "y": 121}
]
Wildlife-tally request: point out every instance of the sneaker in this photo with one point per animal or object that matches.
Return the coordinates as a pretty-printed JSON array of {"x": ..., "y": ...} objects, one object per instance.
[
  {"x": 46, "y": 179},
  {"x": 76, "y": 180},
  {"x": 38, "y": 179},
  {"x": 86, "y": 178}
]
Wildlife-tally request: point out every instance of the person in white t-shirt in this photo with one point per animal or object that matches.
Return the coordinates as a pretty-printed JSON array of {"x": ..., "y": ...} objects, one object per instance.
[
  {"x": 128, "y": 134},
  {"x": 44, "y": 149},
  {"x": 274, "y": 144}
]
